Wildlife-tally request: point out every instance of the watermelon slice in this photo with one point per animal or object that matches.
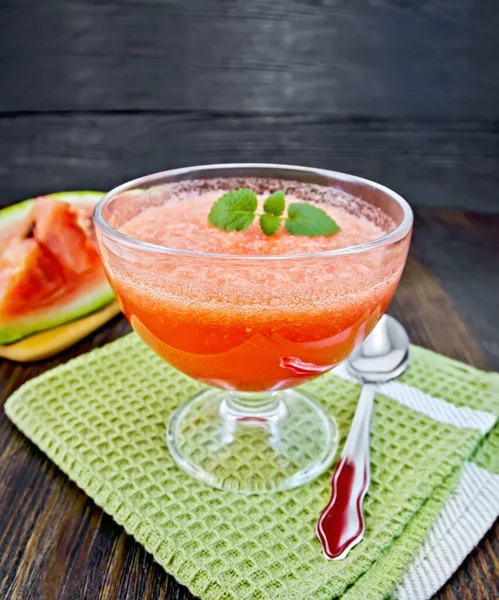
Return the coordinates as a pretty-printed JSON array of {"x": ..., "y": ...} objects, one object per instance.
[{"x": 50, "y": 271}]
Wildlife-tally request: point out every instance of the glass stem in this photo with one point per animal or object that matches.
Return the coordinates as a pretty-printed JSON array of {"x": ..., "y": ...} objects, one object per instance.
[{"x": 253, "y": 405}]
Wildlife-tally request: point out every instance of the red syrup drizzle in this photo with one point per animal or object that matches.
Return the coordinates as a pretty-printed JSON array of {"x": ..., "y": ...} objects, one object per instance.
[{"x": 341, "y": 524}]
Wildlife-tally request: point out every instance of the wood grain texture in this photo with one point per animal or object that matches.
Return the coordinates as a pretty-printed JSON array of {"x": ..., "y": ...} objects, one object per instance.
[
  {"x": 95, "y": 92},
  {"x": 444, "y": 164},
  {"x": 55, "y": 544},
  {"x": 375, "y": 58}
]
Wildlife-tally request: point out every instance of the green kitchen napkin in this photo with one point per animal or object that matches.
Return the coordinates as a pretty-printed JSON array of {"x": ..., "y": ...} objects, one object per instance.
[{"x": 101, "y": 418}]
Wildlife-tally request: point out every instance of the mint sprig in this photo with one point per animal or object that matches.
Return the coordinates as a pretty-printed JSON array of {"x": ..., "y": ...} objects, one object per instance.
[
  {"x": 306, "y": 219},
  {"x": 270, "y": 224},
  {"x": 236, "y": 211},
  {"x": 275, "y": 204}
]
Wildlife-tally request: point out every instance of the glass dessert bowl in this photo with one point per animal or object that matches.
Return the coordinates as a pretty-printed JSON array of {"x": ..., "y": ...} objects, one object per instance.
[{"x": 252, "y": 316}]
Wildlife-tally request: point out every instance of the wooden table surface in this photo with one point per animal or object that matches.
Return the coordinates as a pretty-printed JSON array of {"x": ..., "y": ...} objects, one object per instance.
[{"x": 55, "y": 543}]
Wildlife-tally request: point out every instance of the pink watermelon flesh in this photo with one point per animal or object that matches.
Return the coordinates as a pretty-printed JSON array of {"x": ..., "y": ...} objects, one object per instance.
[{"x": 50, "y": 270}]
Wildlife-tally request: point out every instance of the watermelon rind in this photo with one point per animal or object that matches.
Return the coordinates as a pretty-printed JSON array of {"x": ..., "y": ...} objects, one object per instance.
[{"x": 48, "y": 317}]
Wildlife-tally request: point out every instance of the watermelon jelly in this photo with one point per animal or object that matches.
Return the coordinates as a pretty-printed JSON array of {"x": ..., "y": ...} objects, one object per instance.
[{"x": 250, "y": 313}]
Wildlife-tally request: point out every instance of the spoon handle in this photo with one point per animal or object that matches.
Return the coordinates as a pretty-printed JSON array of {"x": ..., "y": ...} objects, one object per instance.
[{"x": 341, "y": 525}]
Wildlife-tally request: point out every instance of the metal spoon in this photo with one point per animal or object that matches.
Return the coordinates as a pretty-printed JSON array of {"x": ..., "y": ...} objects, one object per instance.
[{"x": 383, "y": 356}]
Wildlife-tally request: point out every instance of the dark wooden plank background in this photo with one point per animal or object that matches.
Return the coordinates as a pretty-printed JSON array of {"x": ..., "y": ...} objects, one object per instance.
[
  {"x": 389, "y": 58},
  {"x": 432, "y": 164},
  {"x": 94, "y": 92}
]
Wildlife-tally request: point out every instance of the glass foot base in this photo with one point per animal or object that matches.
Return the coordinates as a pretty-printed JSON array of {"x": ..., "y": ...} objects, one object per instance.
[{"x": 252, "y": 443}]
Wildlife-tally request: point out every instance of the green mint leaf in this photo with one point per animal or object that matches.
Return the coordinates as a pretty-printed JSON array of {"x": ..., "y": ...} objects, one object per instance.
[
  {"x": 234, "y": 211},
  {"x": 306, "y": 219},
  {"x": 270, "y": 224},
  {"x": 274, "y": 205}
]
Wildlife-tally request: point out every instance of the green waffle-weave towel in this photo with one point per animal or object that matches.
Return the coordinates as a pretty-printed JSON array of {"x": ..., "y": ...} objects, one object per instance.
[{"x": 101, "y": 418}]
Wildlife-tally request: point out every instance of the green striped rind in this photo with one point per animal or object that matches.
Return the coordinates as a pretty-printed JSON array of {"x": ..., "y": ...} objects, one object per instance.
[
  {"x": 89, "y": 301},
  {"x": 52, "y": 316}
]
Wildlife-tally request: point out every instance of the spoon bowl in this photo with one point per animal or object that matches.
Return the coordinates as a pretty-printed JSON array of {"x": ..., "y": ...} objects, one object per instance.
[{"x": 383, "y": 356}]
